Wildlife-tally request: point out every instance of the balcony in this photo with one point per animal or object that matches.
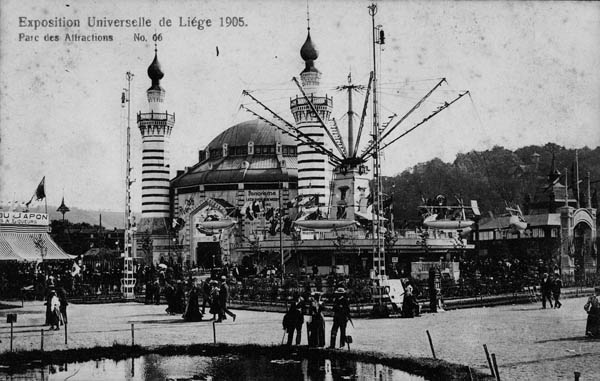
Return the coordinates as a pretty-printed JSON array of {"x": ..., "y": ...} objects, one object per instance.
[{"x": 154, "y": 116}]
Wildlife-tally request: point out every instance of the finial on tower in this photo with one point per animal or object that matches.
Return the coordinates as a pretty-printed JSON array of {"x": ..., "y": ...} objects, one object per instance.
[
  {"x": 154, "y": 71},
  {"x": 309, "y": 52},
  {"x": 307, "y": 16}
]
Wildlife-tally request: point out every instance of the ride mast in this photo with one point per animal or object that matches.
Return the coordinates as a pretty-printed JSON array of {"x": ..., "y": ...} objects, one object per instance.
[{"x": 378, "y": 254}]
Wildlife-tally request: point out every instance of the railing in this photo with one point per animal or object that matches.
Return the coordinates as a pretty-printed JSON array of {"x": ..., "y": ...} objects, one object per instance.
[
  {"x": 156, "y": 116},
  {"x": 317, "y": 101}
]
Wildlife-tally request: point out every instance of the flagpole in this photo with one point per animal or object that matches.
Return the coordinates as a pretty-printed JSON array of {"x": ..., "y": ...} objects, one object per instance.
[{"x": 577, "y": 176}]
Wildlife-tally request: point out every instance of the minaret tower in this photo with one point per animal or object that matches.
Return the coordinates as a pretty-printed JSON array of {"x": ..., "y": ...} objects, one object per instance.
[
  {"x": 314, "y": 169},
  {"x": 155, "y": 126}
]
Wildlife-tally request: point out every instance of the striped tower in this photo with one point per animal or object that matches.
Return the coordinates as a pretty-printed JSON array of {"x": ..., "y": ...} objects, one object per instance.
[
  {"x": 314, "y": 170},
  {"x": 155, "y": 127}
]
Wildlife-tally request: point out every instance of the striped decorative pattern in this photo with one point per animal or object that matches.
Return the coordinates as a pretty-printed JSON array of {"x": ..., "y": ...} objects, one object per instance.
[
  {"x": 16, "y": 246},
  {"x": 314, "y": 170},
  {"x": 155, "y": 128}
]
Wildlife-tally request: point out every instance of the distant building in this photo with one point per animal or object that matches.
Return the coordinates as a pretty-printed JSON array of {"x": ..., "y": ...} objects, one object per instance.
[{"x": 562, "y": 232}]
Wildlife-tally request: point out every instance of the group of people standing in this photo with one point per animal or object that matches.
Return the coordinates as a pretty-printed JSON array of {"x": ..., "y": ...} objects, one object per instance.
[
  {"x": 214, "y": 295},
  {"x": 550, "y": 288},
  {"x": 311, "y": 306}
]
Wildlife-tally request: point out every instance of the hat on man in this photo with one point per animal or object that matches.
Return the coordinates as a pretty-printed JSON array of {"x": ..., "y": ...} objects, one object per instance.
[
  {"x": 223, "y": 277},
  {"x": 340, "y": 290}
]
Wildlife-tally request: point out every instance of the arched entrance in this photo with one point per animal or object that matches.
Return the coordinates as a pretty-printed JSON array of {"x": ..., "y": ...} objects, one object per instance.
[{"x": 585, "y": 263}]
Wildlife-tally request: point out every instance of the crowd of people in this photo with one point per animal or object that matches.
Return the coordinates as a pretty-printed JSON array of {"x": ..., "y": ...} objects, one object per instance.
[{"x": 214, "y": 294}]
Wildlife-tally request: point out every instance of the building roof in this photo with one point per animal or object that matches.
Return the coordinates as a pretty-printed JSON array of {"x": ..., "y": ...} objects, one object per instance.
[
  {"x": 257, "y": 131},
  {"x": 27, "y": 247},
  {"x": 257, "y": 168},
  {"x": 533, "y": 220}
]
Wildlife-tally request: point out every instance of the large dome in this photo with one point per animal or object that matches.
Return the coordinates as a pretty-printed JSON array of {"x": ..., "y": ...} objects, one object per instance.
[
  {"x": 248, "y": 152},
  {"x": 256, "y": 131}
]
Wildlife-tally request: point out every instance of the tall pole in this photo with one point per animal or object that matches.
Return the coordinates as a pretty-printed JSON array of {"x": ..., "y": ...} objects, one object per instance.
[
  {"x": 128, "y": 281},
  {"x": 588, "y": 203},
  {"x": 350, "y": 121},
  {"x": 377, "y": 255},
  {"x": 577, "y": 177},
  {"x": 129, "y": 77}
]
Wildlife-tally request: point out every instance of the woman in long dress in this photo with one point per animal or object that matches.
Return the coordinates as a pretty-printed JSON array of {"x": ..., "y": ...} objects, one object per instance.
[
  {"x": 316, "y": 327},
  {"x": 192, "y": 310},
  {"x": 592, "y": 307}
]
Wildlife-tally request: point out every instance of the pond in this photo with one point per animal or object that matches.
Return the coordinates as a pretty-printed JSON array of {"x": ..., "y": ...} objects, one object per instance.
[{"x": 230, "y": 367}]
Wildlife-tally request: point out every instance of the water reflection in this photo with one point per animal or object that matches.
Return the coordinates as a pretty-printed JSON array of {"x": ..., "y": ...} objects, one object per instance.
[{"x": 230, "y": 367}]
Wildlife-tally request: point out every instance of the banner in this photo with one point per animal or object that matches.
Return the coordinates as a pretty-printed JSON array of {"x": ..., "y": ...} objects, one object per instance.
[{"x": 24, "y": 218}]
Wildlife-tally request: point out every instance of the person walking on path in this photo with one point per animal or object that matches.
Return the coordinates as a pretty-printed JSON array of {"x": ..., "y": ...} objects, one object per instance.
[
  {"x": 192, "y": 310},
  {"x": 55, "y": 318},
  {"x": 341, "y": 315},
  {"x": 48, "y": 305},
  {"x": 546, "y": 288},
  {"x": 592, "y": 307},
  {"x": 62, "y": 298},
  {"x": 215, "y": 300},
  {"x": 224, "y": 298},
  {"x": 410, "y": 307},
  {"x": 206, "y": 290},
  {"x": 293, "y": 320},
  {"x": 179, "y": 299},
  {"x": 556, "y": 288},
  {"x": 170, "y": 296}
]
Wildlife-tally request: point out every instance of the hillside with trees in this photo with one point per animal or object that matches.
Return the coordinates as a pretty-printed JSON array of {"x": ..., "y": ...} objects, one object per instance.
[{"x": 491, "y": 177}]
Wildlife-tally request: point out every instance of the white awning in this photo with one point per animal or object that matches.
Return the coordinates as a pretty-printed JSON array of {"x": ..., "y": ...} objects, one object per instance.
[{"x": 29, "y": 247}]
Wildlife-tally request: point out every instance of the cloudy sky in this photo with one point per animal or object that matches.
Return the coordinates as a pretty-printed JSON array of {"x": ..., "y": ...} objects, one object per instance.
[{"x": 531, "y": 69}]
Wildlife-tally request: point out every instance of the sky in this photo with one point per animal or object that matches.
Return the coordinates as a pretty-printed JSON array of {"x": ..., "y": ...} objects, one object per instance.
[{"x": 531, "y": 69}]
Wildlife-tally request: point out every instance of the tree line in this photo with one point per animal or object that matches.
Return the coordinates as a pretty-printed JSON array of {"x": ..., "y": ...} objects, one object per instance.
[{"x": 493, "y": 177}]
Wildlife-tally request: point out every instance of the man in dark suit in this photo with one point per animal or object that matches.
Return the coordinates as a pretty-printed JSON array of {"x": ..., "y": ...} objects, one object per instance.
[
  {"x": 341, "y": 315},
  {"x": 556, "y": 288},
  {"x": 294, "y": 319},
  {"x": 546, "y": 288},
  {"x": 223, "y": 299}
]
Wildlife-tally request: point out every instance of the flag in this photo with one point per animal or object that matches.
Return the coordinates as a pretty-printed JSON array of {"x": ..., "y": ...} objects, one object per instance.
[{"x": 40, "y": 192}]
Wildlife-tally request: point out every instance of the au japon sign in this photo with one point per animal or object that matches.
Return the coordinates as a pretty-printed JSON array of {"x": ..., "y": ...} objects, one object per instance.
[{"x": 24, "y": 218}]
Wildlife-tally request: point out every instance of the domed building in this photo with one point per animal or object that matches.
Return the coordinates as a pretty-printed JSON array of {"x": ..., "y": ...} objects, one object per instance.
[{"x": 229, "y": 203}]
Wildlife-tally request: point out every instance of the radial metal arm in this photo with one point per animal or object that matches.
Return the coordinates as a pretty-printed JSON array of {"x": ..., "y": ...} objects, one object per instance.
[{"x": 440, "y": 109}]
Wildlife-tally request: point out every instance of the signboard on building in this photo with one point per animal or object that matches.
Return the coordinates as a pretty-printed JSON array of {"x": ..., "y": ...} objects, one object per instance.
[{"x": 24, "y": 218}]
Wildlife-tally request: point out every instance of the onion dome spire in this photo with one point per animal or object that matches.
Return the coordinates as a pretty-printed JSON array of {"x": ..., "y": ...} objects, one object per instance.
[
  {"x": 309, "y": 54},
  {"x": 154, "y": 72}
]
